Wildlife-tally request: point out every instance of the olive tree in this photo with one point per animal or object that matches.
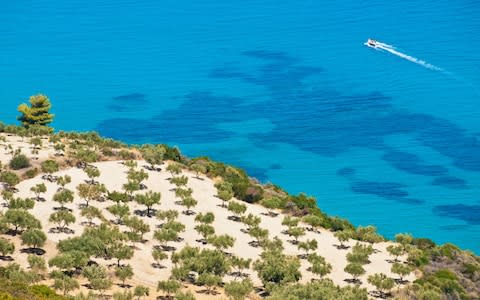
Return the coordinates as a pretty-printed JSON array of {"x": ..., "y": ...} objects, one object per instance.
[
  {"x": 63, "y": 197},
  {"x": 6, "y": 247},
  {"x": 319, "y": 265},
  {"x": 238, "y": 290},
  {"x": 382, "y": 283},
  {"x": 148, "y": 199},
  {"x": 39, "y": 189},
  {"x": 62, "y": 219},
  {"x": 158, "y": 255},
  {"x": 356, "y": 270},
  {"x": 401, "y": 270},
  {"x": 98, "y": 278},
  {"x": 33, "y": 237},
  {"x": 123, "y": 273},
  {"x": 168, "y": 286}
]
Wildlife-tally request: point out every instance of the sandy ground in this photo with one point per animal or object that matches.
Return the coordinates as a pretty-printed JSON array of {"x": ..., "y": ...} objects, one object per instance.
[
  {"x": 113, "y": 175},
  {"x": 26, "y": 148}
]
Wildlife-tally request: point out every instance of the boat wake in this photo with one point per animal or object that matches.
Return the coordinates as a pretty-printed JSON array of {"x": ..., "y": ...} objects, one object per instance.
[{"x": 389, "y": 48}]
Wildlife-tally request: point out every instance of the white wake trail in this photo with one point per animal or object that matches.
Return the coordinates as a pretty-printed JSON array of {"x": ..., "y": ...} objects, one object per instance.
[{"x": 420, "y": 62}]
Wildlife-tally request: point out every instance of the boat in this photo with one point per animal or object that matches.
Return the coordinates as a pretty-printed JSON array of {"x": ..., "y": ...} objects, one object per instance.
[{"x": 371, "y": 43}]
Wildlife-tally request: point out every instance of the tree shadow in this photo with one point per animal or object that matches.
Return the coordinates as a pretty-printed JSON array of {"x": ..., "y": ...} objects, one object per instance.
[
  {"x": 380, "y": 294},
  {"x": 144, "y": 212},
  {"x": 314, "y": 230},
  {"x": 261, "y": 291},
  {"x": 401, "y": 281},
  {"x": 32, "y": 250},
  {"x": 270, "y": 214},
  {"x": 212, "y": 292},
  {"x": 354, "y": 281},
  {"x": 341, "y": 247},
  {"x": 189, "y": 212},
  {"x": 238, "y": 274},
  {"x": 153, "y": 169},
  {"x": 6, "y": 258},
  {"x": 202, "y": 241},
  {"x": 65, "y": 230},
  {"x": 234, "y": 218},
  {"x": 165, "y": 248},
  {"x": 158, "y": 266},
  {"x": 88, "y": 223},
  {"x": 124, "y": 286},
  {"x": 254, "y": 244},
  {"x": 13, "y": 232},
  {"x": 62, "y": 208},
  {"x": 49, "y": 178}
]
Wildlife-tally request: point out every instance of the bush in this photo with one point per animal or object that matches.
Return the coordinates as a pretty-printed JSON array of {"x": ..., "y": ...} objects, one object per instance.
[
  {"x": 86, "y": 155},
  {"x": 172, "y": 153},
  {"x": 107, "y": 151},
  {"x": 446, "y": 281},
  {"x": 2, "y": 127},
  {"x": 31, "y": 173},
  {"x": 126, "y": 155},
  {"x": 44, "y": 292},
  {"x": 19, "y": 161},
  {"x": 423, "y": 243}
]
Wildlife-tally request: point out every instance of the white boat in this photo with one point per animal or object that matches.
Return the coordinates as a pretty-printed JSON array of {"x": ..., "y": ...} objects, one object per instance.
[{"x": 371, "y": 43}]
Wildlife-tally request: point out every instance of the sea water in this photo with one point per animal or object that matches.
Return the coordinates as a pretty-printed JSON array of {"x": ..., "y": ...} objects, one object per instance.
[{"x": 285, "y": 89}]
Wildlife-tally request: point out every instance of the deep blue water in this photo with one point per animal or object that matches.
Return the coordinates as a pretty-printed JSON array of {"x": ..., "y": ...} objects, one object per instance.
[{"x": 285, "y": 89}]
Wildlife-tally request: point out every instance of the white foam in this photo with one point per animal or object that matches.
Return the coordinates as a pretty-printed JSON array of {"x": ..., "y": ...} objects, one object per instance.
[{"x": 391, "y": 49}]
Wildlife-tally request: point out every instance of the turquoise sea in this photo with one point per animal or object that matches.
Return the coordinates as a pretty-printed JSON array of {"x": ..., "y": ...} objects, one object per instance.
[{"x": 284, "y": 89}]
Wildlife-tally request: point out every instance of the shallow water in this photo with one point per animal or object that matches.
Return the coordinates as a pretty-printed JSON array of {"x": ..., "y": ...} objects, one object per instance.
[{"x": 285, "y": 89}]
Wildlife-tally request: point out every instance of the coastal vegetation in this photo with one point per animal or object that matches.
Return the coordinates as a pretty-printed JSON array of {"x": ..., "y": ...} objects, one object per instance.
[{"x": 105, "y": 222}]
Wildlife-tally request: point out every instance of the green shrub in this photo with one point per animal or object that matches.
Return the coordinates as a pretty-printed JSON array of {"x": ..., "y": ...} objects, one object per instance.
[
  {"x": 470, "y": 269},
  {"x": 5, "y": 296},
  {"x": 2, "y": 126},
  {"x": 446, "y": 281},
  {"x": 423, "y": 243},
  {"x": 12, "y": 129},
  {"x": 44, "y": 292},
  {"x": 172, "y": 153},
  {"x": 31, "y": 173},
  {"x": 303, "y": 201},
  {"x": 126, "y": 155},
  {"x": 107, "y": 151},
  {"x": 337, "y": 224},
  {"x": 19, "y": 161},
  {"x": 86, "y": 155}
]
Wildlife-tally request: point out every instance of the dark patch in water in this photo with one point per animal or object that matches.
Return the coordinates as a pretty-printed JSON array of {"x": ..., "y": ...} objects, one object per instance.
[
  {"x": 346, "y": 172},
  {"x": 467, "y": 213},
  {"x": 452, "y": 227},
  {"x": 194, "y": 121},
  {"x": 258, "y": 173},
  {"x": 386, "y": 190},
  {"x": 325, "y": 121},
  {"x": 411, "y": 163},
  {"x": 450, "y": 182},
  {"x": 276, "y": 166},
  {"x": 128, "y": 102}
]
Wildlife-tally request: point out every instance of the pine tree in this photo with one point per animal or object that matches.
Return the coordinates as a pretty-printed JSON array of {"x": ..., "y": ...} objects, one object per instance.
[{"x": 37, "y": 114}]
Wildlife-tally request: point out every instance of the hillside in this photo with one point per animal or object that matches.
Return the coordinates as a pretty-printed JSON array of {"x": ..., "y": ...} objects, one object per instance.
[{"x": 276, "y": 250}]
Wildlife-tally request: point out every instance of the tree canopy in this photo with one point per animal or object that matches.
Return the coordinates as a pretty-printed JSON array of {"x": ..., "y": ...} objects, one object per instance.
[{"x": 38, "y": 113}]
